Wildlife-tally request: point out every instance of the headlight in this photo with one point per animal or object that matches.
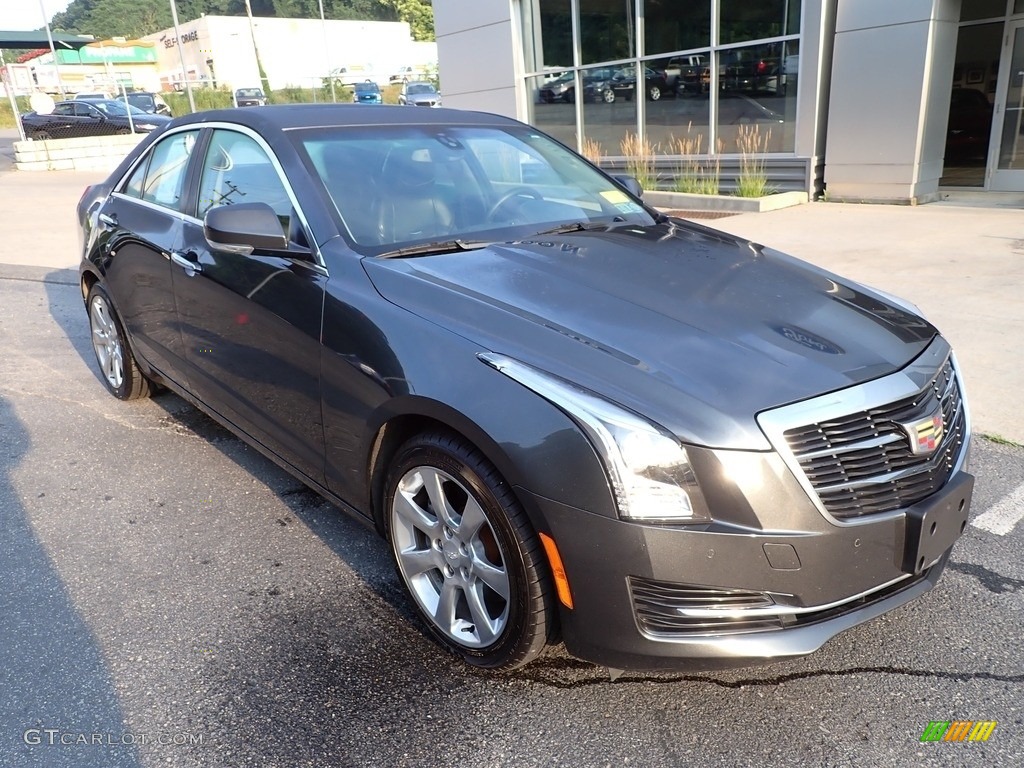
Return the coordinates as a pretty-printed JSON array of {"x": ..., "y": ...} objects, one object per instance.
[{"x": 649, "y": 470}]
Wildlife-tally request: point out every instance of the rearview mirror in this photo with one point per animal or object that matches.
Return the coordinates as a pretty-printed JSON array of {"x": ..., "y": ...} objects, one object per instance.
[
  {"x": 244, "y": 227},
  {"x": 629, "y": 184}
]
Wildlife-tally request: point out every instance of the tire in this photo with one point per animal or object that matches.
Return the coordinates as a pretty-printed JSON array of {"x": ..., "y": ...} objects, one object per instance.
[
  {"x": 123, "y": 131},
  {"x": 608, "y": 96},
  {"x": 41, "y": 136},
  {"x": 118, "y": 369},
  {"x": 654, "y": 93},
  {"x": 460, "y": 539},
  {"x": 570, "y": 96}
]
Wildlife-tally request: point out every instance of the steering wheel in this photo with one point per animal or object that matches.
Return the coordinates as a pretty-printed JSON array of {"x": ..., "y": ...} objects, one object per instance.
[{"x": 527, "y": 193}]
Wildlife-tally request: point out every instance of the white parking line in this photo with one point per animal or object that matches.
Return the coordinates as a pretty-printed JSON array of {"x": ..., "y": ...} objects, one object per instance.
[{"x": 1004, "y": 515}]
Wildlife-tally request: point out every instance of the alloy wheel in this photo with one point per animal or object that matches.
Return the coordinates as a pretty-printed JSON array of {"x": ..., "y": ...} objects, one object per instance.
[
  {"x": 450, "y": 557},
  {"x": 106, "y": 342}
]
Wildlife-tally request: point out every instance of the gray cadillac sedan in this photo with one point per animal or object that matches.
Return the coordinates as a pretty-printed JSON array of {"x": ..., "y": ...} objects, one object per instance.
[{"x": 570, "y": 417}]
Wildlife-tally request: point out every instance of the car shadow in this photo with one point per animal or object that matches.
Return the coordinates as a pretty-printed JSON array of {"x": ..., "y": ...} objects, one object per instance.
[{"x": 56, "y": 684}]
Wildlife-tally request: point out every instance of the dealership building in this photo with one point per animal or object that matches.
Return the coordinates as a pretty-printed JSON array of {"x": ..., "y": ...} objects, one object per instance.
[{"x": 866, "y": 100}]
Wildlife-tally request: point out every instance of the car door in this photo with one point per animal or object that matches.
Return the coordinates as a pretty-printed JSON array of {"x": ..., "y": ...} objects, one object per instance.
[
  {"x": 140, "y": 225},
  {"x": 251, "y": 322},
  {"x": 92, "y": 121},
  {"x": 61, "y": 123}
]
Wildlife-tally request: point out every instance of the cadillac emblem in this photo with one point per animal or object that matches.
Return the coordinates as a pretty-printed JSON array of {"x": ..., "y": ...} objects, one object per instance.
[{"x": 925, "y": 434}]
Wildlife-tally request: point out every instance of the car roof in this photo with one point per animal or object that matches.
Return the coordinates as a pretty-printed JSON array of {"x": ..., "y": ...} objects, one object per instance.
[{"x": 291, "y": 116}]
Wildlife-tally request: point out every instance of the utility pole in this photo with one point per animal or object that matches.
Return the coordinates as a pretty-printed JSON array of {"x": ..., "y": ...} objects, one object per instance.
[
  {"x": 181, "y": 55},
  {"x": 53, "y": 51},
  {"x": 327, "y": 53}
]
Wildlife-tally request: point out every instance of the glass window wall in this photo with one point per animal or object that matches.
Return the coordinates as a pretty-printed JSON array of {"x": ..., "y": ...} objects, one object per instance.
[{"x": 697, "y": 94}]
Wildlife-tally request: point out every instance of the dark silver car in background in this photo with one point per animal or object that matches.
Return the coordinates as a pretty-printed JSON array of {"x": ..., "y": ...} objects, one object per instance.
[{"x": 568, "y": 414}]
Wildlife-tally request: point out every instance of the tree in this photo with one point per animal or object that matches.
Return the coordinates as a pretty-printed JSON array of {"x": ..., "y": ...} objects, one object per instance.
[{"x": 420, "y": 16}]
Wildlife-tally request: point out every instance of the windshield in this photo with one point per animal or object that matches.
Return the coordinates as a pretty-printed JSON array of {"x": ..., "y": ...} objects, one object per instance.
[
  {"x": 366, "y": 87},
  {"x": 117, "y": 108},
  {"x": 400, "y": 185},
  {"x": 421, "y": 88},
  {"x": 249, "y": 93}
]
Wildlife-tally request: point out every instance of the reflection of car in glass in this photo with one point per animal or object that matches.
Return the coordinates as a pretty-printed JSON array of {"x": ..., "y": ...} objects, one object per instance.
[
  {"x": 568, "y": 414},
  {"x": 563, "y": 88},
  {"x": 970, "y": 124},
  {"x": 689, "y": 74},
  {"x": 92, "y": 117},
  {"x": 419, "y": 94},
  {"x": 367, "y": 92},
  {"x": 750, "y": 70},
  {"x": 249, "y": 97},
  {"x": 623, "y": 85}
]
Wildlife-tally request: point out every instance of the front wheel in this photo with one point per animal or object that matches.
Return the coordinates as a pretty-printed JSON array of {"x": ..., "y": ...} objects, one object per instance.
[
  {"x": 118, "y": 369},
  {"x": 654, "y": 92},
  {"x": 466, "y": 552}
]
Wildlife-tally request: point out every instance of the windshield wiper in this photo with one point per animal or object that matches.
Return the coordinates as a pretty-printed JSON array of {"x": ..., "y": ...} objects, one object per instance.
[
  {"x": 581, "y": 226},
  {"x": 429, "y": 249}
]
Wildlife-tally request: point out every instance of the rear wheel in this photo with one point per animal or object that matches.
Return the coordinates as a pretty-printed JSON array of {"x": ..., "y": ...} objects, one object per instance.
[
  {"x": 654, "y": 92},
  {"x": 118, "y": 369},
  {"x": 466, "y": 552},
  {"x": 608, "y": 95},
  {"x": 123, "y": 131},
  {"x": 40, "y": 136}
]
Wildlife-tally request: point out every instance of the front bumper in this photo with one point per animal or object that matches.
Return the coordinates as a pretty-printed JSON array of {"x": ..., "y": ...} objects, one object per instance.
[{"x": 785, "y": 592}]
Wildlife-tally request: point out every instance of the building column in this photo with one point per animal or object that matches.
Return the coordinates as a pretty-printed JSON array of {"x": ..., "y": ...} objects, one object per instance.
[
  {"x": 892, "y": 67},
  {"x": 477, "y": 51}
]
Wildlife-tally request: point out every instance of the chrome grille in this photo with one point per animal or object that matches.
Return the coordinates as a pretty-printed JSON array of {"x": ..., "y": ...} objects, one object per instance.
[{"x": 863, "y": 464}]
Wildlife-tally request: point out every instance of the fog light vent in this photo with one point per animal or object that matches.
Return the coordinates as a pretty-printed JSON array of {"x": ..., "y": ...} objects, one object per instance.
[{"x": 665, "y": 608}]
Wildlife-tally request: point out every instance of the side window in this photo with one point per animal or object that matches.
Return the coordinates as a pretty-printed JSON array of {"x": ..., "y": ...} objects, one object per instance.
[
  {"x": 165, "y": 177},
  {"x": 65, "y": 110},
  {"x": 136, "y": 182},
  {"x": 237, "y": 170},
  {"x": 84, "y": 110}
]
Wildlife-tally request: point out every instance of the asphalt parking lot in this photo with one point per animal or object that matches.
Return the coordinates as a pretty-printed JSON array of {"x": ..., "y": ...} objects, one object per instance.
[{"x": 172, "y": 598}]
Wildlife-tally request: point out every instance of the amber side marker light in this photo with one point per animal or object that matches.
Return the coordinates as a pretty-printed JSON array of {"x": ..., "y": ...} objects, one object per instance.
[{"x": 557, "y": 570}]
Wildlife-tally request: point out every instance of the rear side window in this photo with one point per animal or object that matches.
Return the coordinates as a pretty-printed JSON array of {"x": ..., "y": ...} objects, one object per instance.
[
  {"x": 160, "y": 179},
  {"x": 238, "y": 170}
]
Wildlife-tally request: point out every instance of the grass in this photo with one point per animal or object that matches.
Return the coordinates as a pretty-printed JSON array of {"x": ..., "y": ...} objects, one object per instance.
[
  {"x": 593, "y": 151},
  {"x": 1000, "y": 440},
  {"x": 753, "y": 177},
  {"x": 639, "y": 156},
  {"x": 695, "y": 174},
  {"x": 7, "y": 119}
]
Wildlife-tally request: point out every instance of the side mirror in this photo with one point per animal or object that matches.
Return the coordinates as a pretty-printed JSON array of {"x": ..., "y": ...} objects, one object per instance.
[
  {"x": 629, "y": 184},
  {"x": 96, "y": 116},
  {"x": 244, "y": 227}
]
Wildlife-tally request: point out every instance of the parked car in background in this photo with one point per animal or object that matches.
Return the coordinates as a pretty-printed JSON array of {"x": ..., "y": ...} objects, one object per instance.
[
  {"x": 569, "y": 415},
  {"x": 249, "y": 97},
  {"x": 149, "y": 102},
  {"x": 353, "y": 73},
  {"x": 689, "y": 74},
  {"x": 89, "y": 118},
  {"x": 623, "y": 84},
  {"x": 367, "y": 92},
  {"x": 563, "y": 87},
  {"x": 419, "y": 94},
  {"x": 407, "y": 74}
]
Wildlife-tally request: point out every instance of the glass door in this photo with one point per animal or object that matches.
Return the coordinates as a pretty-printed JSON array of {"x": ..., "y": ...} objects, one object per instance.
[{"x": 1007, "y": 158}]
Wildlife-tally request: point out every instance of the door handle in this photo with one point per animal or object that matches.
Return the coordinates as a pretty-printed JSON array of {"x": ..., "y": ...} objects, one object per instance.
[
  {"x": 191, "y": 267},
  {"x": 107, "y": 220}
]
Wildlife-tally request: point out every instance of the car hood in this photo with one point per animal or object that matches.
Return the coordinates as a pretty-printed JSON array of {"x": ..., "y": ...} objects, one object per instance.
[{"x": 696, "y": 330}]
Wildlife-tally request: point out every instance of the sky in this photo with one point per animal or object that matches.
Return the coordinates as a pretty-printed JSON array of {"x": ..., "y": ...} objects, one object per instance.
[{"x": 26, "y": 15}]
